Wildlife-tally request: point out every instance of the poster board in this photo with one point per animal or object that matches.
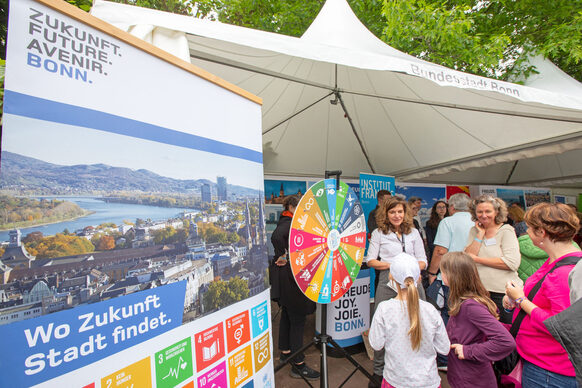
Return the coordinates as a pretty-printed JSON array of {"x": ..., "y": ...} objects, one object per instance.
[
  {"x": 429, "y": 193},
  {"x": 526, "y": 197},
  {"x": 349, "y": 316},
  {"x": 96, "y": 120}
]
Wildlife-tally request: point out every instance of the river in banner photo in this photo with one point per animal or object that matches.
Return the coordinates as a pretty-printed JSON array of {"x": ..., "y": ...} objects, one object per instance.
[{"x": 103, "y": 212}]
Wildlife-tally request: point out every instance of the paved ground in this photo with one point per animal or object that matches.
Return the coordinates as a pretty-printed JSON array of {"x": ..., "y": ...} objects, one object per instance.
[{"x": 338, "y": 368}]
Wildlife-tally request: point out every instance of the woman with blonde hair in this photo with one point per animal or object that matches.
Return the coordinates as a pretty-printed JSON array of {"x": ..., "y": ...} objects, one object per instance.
[
  {"x": 394, "y": 234},
  {"x": 476, "y": 335},
  {"x": 409, "y": 330},
  {"x": 494, "y": 248}
]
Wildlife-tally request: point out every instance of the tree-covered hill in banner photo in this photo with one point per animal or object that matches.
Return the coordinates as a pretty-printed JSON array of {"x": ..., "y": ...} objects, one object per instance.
[{"x": 29, "y": 176}]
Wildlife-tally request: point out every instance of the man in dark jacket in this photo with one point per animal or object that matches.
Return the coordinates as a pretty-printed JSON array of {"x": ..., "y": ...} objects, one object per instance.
[{"x": 295, "y": 306}]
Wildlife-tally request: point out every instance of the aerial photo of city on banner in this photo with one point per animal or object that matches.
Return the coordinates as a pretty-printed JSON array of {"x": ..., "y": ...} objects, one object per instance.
[{"x": 88, "y": 216}]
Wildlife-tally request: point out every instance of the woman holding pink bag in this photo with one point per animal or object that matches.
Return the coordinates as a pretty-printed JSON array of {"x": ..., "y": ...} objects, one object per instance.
[{"x": 546, "y": 293}]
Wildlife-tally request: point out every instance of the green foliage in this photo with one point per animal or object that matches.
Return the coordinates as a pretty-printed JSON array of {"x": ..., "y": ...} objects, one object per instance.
[
  {"x": 490, "y": 38},
  {"x": 221, "y": 294},
  {"x": 3, "y": 29},
  {"x": 232, "y": 238},
  {"x": 186, "y": 202},
  {"x": 183, "y": 7},
  {"x": 289, "y": 17},
  {"x": 21, "y": 212},
  {"x": 57, "y": 246},
  {"x": 370, "y": 14},
  {"x": 213, "y": 234},
  {"x": 107, "y": 225},
  {"x": 85, "y": 5},
  {"x": 169, "y": 235}
]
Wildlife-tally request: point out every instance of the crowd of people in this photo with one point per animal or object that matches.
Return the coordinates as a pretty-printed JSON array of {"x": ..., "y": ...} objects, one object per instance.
[
  {"x": 465, "y": 294},
  {"x": 489, "y": 310}
]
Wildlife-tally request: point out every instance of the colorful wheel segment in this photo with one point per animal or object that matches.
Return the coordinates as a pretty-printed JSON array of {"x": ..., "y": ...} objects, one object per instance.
[{"x": 327, "y": 241}]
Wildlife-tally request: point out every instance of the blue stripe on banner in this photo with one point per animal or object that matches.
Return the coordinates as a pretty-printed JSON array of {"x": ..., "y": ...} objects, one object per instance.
[{"x": 39, "y": 108}]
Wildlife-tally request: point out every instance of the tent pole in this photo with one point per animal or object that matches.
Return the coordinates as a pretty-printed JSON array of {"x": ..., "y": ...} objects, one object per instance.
[
  {"x": 511, "y": 172},
  {"x": 296, "y": 113},
  {"x": 339, "y": 97}
]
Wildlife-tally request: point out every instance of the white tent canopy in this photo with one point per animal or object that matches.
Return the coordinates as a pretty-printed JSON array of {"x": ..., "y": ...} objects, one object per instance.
[
  {"x": 550, "y": 77},
  {"x": 339, "y": 98}
]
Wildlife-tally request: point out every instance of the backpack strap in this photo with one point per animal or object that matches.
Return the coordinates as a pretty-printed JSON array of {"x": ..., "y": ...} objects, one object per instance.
[{"x": 568, "y": 260}]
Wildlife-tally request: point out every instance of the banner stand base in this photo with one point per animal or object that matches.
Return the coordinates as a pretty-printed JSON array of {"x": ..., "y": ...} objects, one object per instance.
[
  {"x": 322, "y": 340},
  {"x": 352, "y": 349}
]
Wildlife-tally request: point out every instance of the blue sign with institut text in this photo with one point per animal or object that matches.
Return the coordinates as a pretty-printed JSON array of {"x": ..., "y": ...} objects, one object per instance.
[
  {"x": 370, "y": 184},
  {"x": 54, "y": 344}
]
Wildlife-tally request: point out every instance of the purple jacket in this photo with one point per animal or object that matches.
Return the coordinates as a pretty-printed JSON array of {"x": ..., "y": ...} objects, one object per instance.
[{"x": 484, "y": 340}]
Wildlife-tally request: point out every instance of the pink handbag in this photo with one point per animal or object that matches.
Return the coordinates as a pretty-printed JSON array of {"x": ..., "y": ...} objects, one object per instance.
[{"x": 513, "y": 380}]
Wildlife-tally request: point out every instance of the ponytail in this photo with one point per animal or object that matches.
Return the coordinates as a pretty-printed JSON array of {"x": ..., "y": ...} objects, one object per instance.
[{"x": 415, "y": 331}]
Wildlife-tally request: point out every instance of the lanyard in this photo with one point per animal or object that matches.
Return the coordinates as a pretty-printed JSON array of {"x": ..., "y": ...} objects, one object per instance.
[{"x": 402, "y": 242}]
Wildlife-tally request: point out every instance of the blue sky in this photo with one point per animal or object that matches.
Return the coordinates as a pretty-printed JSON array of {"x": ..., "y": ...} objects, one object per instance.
[{"x": 69, "y": 145}]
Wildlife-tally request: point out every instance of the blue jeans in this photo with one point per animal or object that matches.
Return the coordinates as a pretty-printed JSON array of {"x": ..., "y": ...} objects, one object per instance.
[{"x": 533, "y": 377}]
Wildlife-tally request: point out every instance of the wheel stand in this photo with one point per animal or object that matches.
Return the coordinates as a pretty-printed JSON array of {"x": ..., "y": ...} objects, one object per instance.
[{"x": 323, "y": 339}]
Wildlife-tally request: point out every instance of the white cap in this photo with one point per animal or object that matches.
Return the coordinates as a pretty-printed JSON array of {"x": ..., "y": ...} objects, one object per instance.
[{"x": 404, "y": 266}]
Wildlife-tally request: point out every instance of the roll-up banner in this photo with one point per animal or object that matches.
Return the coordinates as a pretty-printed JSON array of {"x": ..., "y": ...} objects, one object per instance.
[{"x": 133, "y": 234}]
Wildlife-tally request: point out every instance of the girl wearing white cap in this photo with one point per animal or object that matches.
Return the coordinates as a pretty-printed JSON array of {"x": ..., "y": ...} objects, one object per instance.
[{"x": 410, "y": 330}]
